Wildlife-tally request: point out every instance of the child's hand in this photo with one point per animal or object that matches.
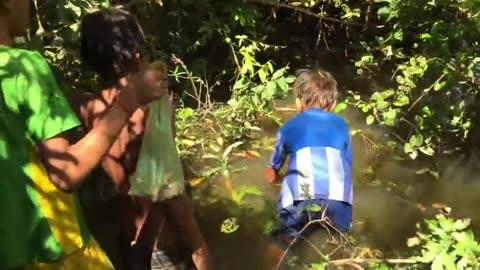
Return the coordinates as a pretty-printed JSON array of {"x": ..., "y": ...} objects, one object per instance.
[{"x": 270, "y": 175}]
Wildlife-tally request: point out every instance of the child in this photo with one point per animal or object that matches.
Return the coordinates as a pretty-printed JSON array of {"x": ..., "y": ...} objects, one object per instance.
[
  {"x": 112, "y": 43},
  {"x": 42, "y": 226},
  {"x": 317, "y": 143}
]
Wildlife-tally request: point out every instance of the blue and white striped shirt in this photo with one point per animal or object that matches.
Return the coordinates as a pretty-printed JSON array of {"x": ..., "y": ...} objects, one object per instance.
[{"x": 320, "y": 158}]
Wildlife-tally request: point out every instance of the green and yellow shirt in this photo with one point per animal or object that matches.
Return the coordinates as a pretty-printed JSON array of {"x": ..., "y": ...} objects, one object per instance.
[{"x": 38, "y": 223}]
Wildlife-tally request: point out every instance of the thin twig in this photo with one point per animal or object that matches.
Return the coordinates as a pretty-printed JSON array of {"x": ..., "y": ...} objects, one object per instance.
[
  {"x": 426, "y": 92},
  {"x": 324, "y": 222},
  {"x": 304, "y": 11}
]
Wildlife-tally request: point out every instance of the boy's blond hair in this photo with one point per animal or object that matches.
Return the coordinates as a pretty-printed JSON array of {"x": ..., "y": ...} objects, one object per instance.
[{"x": 315, "y": 86}]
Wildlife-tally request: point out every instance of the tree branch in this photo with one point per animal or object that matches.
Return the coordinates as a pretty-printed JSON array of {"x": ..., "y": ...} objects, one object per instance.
[{"x": 303, "y": 10}]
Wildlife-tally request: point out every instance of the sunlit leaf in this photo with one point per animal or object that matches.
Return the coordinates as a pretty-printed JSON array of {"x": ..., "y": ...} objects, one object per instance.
[
  {"x": 370, "y": 119},
  {"x": 427, "y": 150},
  {"x": 187, "y": 142},
  {"x": 313, "y": 208},
  {"x": 229, "y": 225},
  {"x": 401, "y": 101},
  {"x": 279, "y": 73},
  {"x": 413, "y": 154},
  {"x": 461, "y": 224},
  {"x": 230, "y": 148},
  {"x": 219, "y": 141},
  {"x": 196, "y": 181},
  {"x": 407, "y": 148},
  {"x": 416, "y": 140},
  {"x": 340, "y": 107},
  {"x": 414, "y": 241}
]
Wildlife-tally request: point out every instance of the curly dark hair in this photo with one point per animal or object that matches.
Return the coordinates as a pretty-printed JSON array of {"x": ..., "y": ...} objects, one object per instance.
[{"x": 109, "y": 40}]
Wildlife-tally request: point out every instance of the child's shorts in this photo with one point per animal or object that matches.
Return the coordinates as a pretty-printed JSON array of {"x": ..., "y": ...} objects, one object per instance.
[{"x": 292, "y": 219}]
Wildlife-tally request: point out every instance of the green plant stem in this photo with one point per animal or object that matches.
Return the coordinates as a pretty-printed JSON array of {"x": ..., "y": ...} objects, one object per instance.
[{"x": 426, "y": 92}]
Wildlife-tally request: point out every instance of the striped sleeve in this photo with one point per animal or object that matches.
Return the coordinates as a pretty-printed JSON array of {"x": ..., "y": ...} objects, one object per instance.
[{"x": 278, "y": 156}]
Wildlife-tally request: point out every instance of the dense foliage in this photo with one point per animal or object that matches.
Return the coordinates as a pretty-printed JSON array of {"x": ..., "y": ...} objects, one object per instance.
[{"x": 411, "y": 66}]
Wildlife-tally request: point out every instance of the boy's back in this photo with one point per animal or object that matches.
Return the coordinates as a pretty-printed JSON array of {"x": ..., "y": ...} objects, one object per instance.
[
  {"x": 316, "y": 128},
  {"x": 318, "y": 146}
]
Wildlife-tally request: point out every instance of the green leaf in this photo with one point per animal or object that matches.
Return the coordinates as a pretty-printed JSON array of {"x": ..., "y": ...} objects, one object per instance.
[
  {"x": 398, "y": 35},
  {"x": 370, "y": 119},
  {"x": 269, "y": 91},
  {"x": 425, "y": 36},
  {"x": 262, "y": 75},
  {"x": 438, "y": 86},
  {"x": 416, "y": 140},
  {"x": 427, "y": 150},
  {"x": 419, "y": 121},
  {"x": 279, "y": 73},
  {"x": 401, "y": 100},
  {"x": 241, "y": 83},
  {"x": 389, "y": 117},
  {"x": 282, "y": 84},
  {"x": 445, "y": 223},
  {"x": 413, "y": 154},
  {"x": 318, "y": 266},
  {"x": 313, "y": 208},
  {"x": 232, "y": 103},
  {"x": 340, "y": 107},
  {"x": 407, "y": 148},
  {"x": 448, "y": 261},
  {"x": 387, "y": 93},
  {"x": 229, "y": 225},
  {"x": 383, "y": 11},
  {"x": 462, "y": 224},
  {"x": 270, "y": 66}
]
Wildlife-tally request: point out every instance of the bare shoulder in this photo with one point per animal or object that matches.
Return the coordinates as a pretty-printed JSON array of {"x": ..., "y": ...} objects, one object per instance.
[{"x": 87, "y": 106}]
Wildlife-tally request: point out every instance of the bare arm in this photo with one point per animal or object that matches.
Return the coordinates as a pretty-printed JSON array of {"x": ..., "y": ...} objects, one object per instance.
[
  {"x": 68, "y": 164},
  {"x": 49, "y": 123}
]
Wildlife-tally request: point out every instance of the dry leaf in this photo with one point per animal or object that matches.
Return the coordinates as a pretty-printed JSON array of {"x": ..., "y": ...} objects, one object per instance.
[
  {"x": 445, "y": 209},
  {"x": 248, "y": 154},
  {"x": 196, "y": 181},
  {"x": 414, "y": 241}
]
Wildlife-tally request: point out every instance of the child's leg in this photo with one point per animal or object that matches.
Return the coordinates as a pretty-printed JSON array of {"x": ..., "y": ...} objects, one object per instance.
[
  {"x": 180, "y": 213},
  {"x": 147, "y": 230},
  {"x": 340, "y": 214},
  {"x": 284, "y": 235},
  {"x": 151, "y": 230},
  {"x": 148, "y": 221},
  {"x": 128, "y": 230}
]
